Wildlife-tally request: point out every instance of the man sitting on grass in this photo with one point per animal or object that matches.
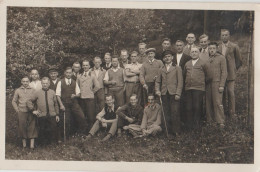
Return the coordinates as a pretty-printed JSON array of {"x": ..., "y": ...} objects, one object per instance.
[
  {"x": 106, "y": 118},
  {"x": 151, "y": 120},
  {"x": 129, "y": 114}
]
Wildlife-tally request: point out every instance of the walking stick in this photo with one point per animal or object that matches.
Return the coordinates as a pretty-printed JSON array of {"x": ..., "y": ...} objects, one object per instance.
[
  {"x": 164, "y": 118},
  {"x": 64, "y": 127}
]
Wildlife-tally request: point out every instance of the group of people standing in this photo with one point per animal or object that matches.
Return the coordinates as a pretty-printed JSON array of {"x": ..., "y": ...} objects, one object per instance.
[{"x": 142, "y": 92}]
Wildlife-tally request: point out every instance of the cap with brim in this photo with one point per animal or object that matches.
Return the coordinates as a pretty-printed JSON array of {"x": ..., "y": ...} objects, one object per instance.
[
  {"x": 166, "y": 52},
  {"x": 150, "y": 50}
]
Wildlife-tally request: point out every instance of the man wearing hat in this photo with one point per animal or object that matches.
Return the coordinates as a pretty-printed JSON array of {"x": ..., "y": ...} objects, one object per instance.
[
  {"x": 149, "y": 72},
  {"x": 53, "y": 75},
  {"x": 169, "y": 85}
]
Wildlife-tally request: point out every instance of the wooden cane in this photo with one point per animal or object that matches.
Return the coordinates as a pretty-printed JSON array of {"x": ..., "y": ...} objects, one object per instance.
[
  {"x": 64, "y": 127},
  {"x": 164, "y": 118}
]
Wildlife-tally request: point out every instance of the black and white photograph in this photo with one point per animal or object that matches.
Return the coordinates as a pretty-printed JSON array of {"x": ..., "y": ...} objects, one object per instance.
[{"x": 125, "y": 84}]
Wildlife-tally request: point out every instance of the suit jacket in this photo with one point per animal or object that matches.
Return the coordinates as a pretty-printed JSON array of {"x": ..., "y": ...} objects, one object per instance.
[
  {"x": 171, "y": 81},
  {"x": 218, "y": 68},
  {"x": 184, "y": 59},
  {"x": 100, "y": 77},
  {"x": 233, "y": 58}
]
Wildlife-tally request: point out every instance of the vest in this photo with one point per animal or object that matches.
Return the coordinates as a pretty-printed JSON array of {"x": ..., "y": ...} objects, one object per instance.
[
  {"x": 110, "y": 115},
  {"x": 67, "y": 90},
  {"x": 53, "y": 86},
  {"x": 117, "y": 76}
]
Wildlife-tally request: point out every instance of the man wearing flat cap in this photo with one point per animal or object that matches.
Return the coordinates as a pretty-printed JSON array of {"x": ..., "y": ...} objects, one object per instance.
[
  {"x": 53, "y": 75},
  {"x": 149, "y": 72},
  {"x": 169, "y": 85}
]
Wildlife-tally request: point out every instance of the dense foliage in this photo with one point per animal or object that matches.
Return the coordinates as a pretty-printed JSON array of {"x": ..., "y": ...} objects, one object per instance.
[{"x": 42, "y": 37}]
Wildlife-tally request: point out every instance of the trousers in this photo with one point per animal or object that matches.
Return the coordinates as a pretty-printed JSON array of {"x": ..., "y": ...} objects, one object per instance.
[
  {"x": 112, "y": 127},
  {"x": 229, "y": 98},
  {"x": 194, "y": 104},
  {"x": 99, "y": 100},
  {"x": 119, "y": 95},
  {"x": 214, "y": 106},
  {"x": 27, "y": 125},
  {"x": 133, "y": 88},
  {"x": 88, "y": 107},
  {"x": 171, "y": 109}
]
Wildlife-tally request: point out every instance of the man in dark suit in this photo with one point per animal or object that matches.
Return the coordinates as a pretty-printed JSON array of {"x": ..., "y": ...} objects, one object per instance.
[
  {"x": 76, "y": 70},
  {"x": 53, "y": 74},
  {"x": 190, "y": 43},
  {"x": 180, "y": 59},
  {"x": 107, "y": 58},
  {"x": 232, "y": 54},
  {"x": 166, "y": 45}
]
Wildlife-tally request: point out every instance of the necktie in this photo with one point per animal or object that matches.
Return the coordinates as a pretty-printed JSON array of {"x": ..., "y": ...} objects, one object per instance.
[
  {"x": 47, "y": 105},
  {"x": 189, "y": 47},
  {"x": 69, "y": 82}
]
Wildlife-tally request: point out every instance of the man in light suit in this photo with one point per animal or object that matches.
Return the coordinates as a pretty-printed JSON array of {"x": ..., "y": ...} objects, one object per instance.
[
  {"x": 190, "y": 43},
  {"x": 169, "y": 85},
  {"x": 204, "y": 52},
  {"x": 232, "y": 54}
]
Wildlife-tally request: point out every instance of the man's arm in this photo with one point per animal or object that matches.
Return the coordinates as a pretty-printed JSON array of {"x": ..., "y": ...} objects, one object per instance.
[
  {"x": 237, "y": 55},
  {"x": 100, "y": 114},
  {"x": 142, "y": 73},
  {"x": 129, "y": 73},
  {"x": 223, "y": 70},
  {"x": 144, "y": 121},
  {"x": 58, "y": 95},
  {"x": 158, "y": 83},
  {"x": 106, "y": 79},
  {"x": 56, "y": 106},
  {"x": 95, "y": 84},
  {"x": 14, "y": 101},
  {"x": 30, "y": 102},
  {"x": 179, "y": 80},
  {"x": 159, "y": 116}
]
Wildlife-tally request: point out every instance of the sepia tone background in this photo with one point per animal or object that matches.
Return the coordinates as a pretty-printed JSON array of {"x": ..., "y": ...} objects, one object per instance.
[{"x": 41, "y": 37}]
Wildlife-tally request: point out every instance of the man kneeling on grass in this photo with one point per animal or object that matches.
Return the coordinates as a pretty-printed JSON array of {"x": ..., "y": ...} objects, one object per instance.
[
  {"x": 130, "y": 114},
  {"x": 106, "y": 118},
  {"x": 151, "y": 120}
]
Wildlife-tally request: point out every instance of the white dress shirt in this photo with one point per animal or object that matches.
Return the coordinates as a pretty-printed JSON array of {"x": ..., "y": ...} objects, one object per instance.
[
  {"x": 178, "y": 58},
  {"x": 194, "y": 61}
]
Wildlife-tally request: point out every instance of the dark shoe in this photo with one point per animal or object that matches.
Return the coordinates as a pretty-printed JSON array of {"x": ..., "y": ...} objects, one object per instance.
[{"x": 106, "y": 138}]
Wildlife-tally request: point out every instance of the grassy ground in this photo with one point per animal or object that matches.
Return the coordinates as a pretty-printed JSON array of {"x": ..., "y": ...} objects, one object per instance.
[{"x": 233, "y": 144}]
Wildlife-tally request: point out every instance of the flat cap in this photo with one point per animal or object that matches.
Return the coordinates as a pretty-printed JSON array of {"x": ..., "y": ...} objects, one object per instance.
[
  {"x": 166, "y": 52},
  {"x": 53, "y": 69},
  {"x": 150, "y": 50}
]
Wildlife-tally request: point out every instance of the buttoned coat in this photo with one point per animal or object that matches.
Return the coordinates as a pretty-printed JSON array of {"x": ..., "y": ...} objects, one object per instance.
[
  {"x": 171, "y": 80},
  {"x": 184, "y": 59},
  {"x": 218, "y": 67},
  {"x": 233, "y": 58}
]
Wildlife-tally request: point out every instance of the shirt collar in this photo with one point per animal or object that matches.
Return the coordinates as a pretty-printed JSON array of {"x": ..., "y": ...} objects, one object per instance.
[
  {"x": 22, "y": 87},
  {"x": 151, "y": 60},
  {"x": 168, "y": 64},
  {"x": 112, "y": 109}
]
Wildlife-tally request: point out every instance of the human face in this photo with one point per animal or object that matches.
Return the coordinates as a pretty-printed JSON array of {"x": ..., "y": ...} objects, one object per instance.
[
  {"x": 179, "y": 47},
  {"x": 25, "y": 82},
  {"x": 168, "y": 58},
  {"x": 133, "y": 58},
  {"x": 124, "y": 56},
  {"x": 34, "y": 75},
  {"x": 142, "y": 49},
  {"x": 76, "y": 68},
  {"x": 194, "y": 53},
  {"x": 45, "y": 84},
  {"x": 68, "y": 73},
  {"x": 133, "y": 100},
  {"x": 110, "y": 101},
  {"x": 225, "y": 36},
  {"x": 151, "y": 55},
  {"x": 53, "y": 75},
  {"x": 212, "y": 50},
  {"x": 107, "y": 59},
  {"x": 190, "y": 39},
  {"x": 85, "y": 66},
  {"x": 166, "y": 45},
  {"x": 204, "y": 42},
  {"x": 151, "y": 100},
  {"x": 97, "y": 63},
  {"x": 115, "y": 62}
]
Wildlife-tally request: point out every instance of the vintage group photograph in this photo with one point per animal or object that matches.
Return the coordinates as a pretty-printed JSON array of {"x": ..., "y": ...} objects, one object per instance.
[{"x": 132, "y": 85}]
